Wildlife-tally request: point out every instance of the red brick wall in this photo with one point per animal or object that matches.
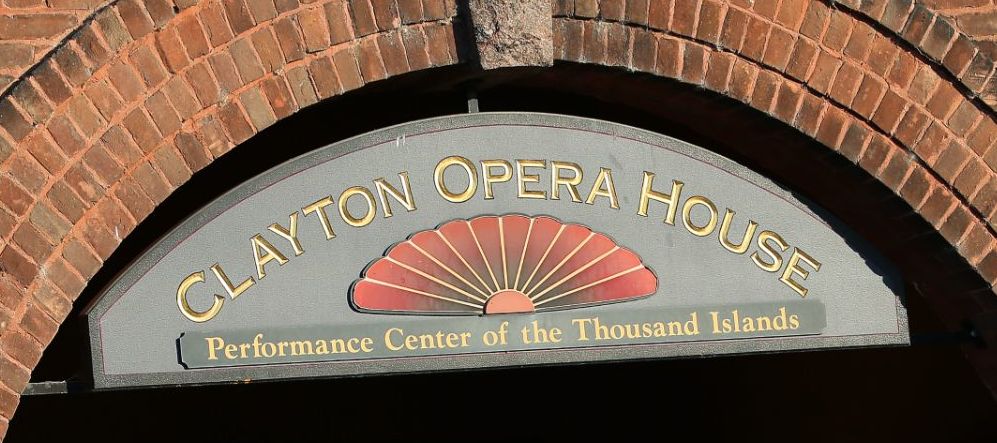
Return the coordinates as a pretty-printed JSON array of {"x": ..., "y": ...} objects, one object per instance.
[{"x": 145, "y": 94}]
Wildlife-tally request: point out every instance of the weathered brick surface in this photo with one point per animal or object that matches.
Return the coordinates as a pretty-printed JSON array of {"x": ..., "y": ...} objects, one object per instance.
[{"x": 104, "y": 128}]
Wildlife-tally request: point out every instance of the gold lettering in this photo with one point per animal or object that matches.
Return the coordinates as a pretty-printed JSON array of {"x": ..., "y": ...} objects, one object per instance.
[
  {"x": 260, "y": 243},
  {"x": 763, "y": 244},
  {"x": 794, "y": 268},
  {"x": 344, "y": 210},
  {"x": 233, "y": 291},
  {"x": 701, "y": 231},
  {"x": 472, "y": 176},
  {"x": 318, "y": 207},
  {"x": 185, "y": 308},
  {"x": 384, "y": 189},
  {"x": 488, "y": 177},
  {"x": 214, "y": 344},
  {"x": 523, "y": 178},
  {"x": 604, "y": 187},
  {"x": 556, "y": 180},
  {"x": 749, "y": 232},
  {"x": 291, "y": 235},
  {"x": 647, "y": 193}
]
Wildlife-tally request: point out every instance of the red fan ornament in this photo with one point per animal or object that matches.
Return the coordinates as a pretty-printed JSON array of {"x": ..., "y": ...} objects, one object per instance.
[{"x": 501, "y": 265}]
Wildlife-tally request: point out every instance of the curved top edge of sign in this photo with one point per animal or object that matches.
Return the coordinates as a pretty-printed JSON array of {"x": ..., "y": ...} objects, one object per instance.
[{"x": 138, "y": 267}]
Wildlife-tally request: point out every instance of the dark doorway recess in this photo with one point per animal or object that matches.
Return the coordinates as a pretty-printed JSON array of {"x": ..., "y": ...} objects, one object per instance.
[{"x": 926, "y": 392}]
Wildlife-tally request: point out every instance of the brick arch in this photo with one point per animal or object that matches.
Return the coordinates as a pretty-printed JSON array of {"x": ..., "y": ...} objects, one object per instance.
[{"x": 91, "y": 145}]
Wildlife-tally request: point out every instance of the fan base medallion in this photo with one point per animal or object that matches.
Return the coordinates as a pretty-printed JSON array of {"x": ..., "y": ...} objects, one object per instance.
[{"x": 509, "y": 302}]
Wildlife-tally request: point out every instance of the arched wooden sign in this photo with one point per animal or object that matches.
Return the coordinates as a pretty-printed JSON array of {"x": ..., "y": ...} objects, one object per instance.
[{"x": 486, "y": 240}]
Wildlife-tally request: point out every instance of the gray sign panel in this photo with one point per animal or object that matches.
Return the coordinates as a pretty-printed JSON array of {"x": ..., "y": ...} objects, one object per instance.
[{"x": 487, "y": 240}]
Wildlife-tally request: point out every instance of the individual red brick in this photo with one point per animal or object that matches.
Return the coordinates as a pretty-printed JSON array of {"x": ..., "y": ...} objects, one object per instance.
[
  {"x": 944, "y": 101},
  {"x": 874, "y": 157},
  {"x": 594, "y": 44},
  {"x": 959, "y": 55},
  {"x": 618, "y": 46},
  {"x": 711, "y": 19},
  {"x": 814, "y": 20},
  {"x": 66, "y": 201},
  {"x": 52, "y": 225},
  {"x": 279, "y": 97},
  {"x": 718, "y": 71},
  {"x": 972, "y": 177},
  {"x": 986, "y": 197},
  {"x": 71, "y": 65},
  {"x": 192, "y": 35},
  {"x": 262, "y": 10},
  {"x": 163, "y": 114},
  {"x": 161, "y": 11},
  {"x": 838, "y": 31},
  {"x": 136, "y": 20},
  {"x": 777, "y": 51},
  {"x": 32, "y": 242},
  {"x": 590, "y": 8},
  {"x": 754, "y": 39},
  {"x": 890, "y": 109},
  {"x": 142, "y": 129},
  {"x": 84, "y": 183},
  {"x": 52, "y": 83},
  {"x": 292, "y": 45},
  {"x": 924, "y": 85},
  {"x": 804, "y": 53},
  {"x": 215, "y": 24},
  {"x": 11, "y": 119},
  {"x": 267, "y": 48},
  {"x": 913, "y": 123},
  {"x": 347, "y": 70},
  {"x": 742, "y": 80},
  {"x": 338, "y": 19},
  {"x": 846, "y": 83},
  {"x": 916, "y": 187},
  {"x": 7, "y": 223},
  {"x": 22, "y": 348},
  {"x": 917, "y": 25},
  {"x": 931, "y": 143},
  {"x": 258, "y": 108},
  {"x": 17, "y": 265},
  {"x": 668, "y": 58},
  {"x": 903, "y": 70},
  {"x": 53, "y": 301},
  {"x": 104, "y": 98},
  {"x": 895, "y": 171},
  {"x": 658, "y": 13},
  {"x": 976, "y": 242},
  {"x": 824, "y": 70},
  {"x": 410, "y": 11},
  {"x": 301, "y": 86},
  {"x": 113, "y": 29},
  {"x": 60, "y": 273},
  {"x": 103, "y": 164},
  {"x": 172, "y": 165},
  {"x": 45, "y": 152},
  {"x": 614, "y": 10},
  {"x": 881, "y": 55},
  {"x": 324, "y": 75},
  {"x": 16, "y": 375},
  {"x": 766, "y": 87},
  {"x": 963, "y": 118},
  {"x": 787, "y": 101},
  {"x": 120, "y": 144},
  {"x": 193, "y": 152},
  {"x": 791, "y": 14},
  {"x": 982, "y": 138},
  {"x": 148, "y": 65},
  {"x": 238, "y": 15},
  {"x": 27, "y": 172},
  {"x": 636, "y": 12},
  {"x": 438, "y": 39},
  {"x": 868, "y": 95},
  {"x": 93, "y": 48},
  {"x": 644, "y": 49},
  {"x": 415, "y": 48},
  {"x": 831, "y": 127},
  {"x": 951, "y": 160},
  {"x": 86, "y": 117},
  {"x": 362, "y": 15},
  {"x": 370, "y": 62},
  {"x": 225, "y": 72},
  {"x": 235, "y": 122},
  {"x": 246, "y": 61},
  {"x": 32, "y": 101},
  {"x": 385, "y": 14},
  {"x": 392, "y": 53},
  {"x": 66, "y": 135},
  {"x": 978, "y": 71},
  {"x": 938, "y": 38},
  {"x": 694, "y": 63},
  {"x": 315, "y": 29},
  {"x": 860, "y": 41},
  {"x": 126, "y": 81},
  {"x": 938, "y": 204},
  {"x": 956, "y": 224},
  {"x": 765, "y": 8},
  {"x": 182, "y": 98}
]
